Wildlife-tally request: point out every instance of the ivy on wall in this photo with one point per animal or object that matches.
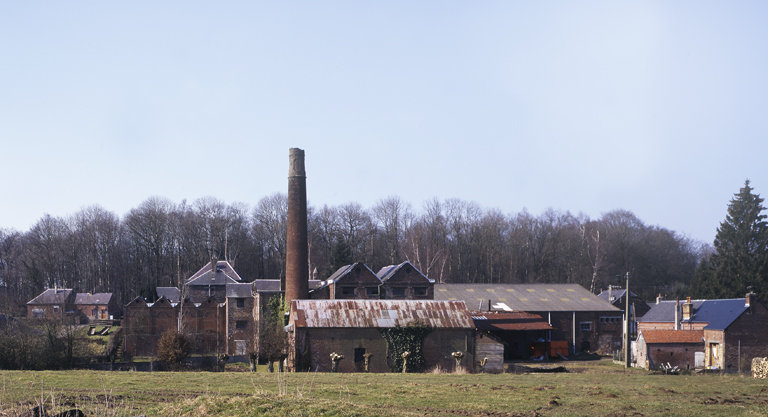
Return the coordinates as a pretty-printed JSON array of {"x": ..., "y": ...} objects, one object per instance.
[{"x": 401, "y": 339}]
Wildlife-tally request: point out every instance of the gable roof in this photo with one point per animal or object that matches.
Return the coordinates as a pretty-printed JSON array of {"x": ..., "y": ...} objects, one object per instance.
[
  {"x": 524, "y": 297},
  {"x": 341, "y": 273},
  {"x": 98, "y": 298},
  {"x": 222, "y": 266},
  {"x": 379, "y": 313},
  {"x": 208, "y": 278},
  {"x": 51, "y": 296},
  {"x": 719, "y": 314},
  {"x": 387, "y": 272},
  {"x": 673, "y": 336},
  {"x": 171, "y": 293}
]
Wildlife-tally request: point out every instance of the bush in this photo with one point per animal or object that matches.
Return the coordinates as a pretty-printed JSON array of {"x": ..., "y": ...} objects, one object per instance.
[{"x": 173, "y": 349}]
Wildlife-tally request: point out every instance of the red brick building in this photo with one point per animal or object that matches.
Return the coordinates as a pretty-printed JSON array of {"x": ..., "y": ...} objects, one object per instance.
[
  {"x": 673, "y": 347},
  {"x": 52, "y": 303},
  {"x": 99, "y": 306},
  {"x": 355, "y": 281},
  {"x": 405, "y": 282}
]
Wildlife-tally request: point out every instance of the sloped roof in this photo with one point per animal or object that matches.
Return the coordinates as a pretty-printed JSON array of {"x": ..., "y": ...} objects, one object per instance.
[
  {"x": 524, "y": 297},
  {"x": 386, "y": 272},
  {"x": 515, "y": 321},
  {"x": 208, "y": 278},
  {"x": 51, "y": 296},
  {"x": 239, "y": 290},
  {"x": 379, "y": 313},
  {"x": 340, "y": 273},
  {"x": 224, "y": 266},
  {"x": 98, "y": 298},
  {"x": 171, "y": 293},
  {"x": 673, "y": 336},
  {"x": 719, "y": 314}
]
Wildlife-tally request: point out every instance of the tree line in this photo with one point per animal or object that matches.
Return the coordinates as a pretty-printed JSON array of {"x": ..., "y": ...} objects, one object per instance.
[{"x": 161, "y": 243}]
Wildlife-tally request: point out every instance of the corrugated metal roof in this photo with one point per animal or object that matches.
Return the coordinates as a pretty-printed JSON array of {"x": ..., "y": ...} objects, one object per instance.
[
  {"x": 51, "y": 296},
  {"x": 718, "y": 313},
  {"x": 524, "y": 297},
  {"x": 509, "y": 321},
  {"x": 379, "y": 313},
  {"x": 98, "y": 298},
  {"x": 673, "y": 336}
]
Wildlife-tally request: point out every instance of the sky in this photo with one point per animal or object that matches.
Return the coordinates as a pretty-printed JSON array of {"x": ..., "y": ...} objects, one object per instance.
[{"x": 656, "y": 107}]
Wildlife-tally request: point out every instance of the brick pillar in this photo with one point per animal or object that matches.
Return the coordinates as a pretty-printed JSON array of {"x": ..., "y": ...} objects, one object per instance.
[{"x": 297, "y": 263}]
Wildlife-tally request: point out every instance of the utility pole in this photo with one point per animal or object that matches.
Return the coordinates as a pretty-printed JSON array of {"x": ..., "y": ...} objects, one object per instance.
[{"x": 627, "y": 350}]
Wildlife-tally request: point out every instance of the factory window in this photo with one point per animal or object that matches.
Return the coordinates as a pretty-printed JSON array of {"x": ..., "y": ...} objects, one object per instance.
[
  {"x": 38, "y": 314},
  {"x": 56, "y": 309},
  {"x": 372, "y": 291},
  {"x": 586, "y": 326},
  {"x": 420, "y": 291},
  {"x": 241, "y": 324},
  {"x": 347, "y": 290},
  {"x": 241, "y": 303},
  {"x": 398, "y": 292}
]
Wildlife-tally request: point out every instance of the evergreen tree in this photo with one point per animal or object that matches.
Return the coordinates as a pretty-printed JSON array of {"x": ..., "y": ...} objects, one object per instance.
[
  {"x": 739, "y": 261},
  {"x": 341, "y": 256}
]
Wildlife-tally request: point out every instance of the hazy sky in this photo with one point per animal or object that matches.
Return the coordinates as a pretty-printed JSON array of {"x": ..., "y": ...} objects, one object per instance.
[{"x": 654, "y": 107}]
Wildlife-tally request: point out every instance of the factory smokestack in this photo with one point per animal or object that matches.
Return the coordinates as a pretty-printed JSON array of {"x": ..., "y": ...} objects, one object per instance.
[{"x": 296, "y": 262}]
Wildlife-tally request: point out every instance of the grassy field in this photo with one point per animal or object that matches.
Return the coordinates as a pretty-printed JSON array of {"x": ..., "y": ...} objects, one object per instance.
[{"x": 590, "y": 388}]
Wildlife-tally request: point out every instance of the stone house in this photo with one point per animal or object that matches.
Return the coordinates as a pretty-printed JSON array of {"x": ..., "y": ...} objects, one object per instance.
[
  {"x": 681, "y": 348},
  {"x": 318, "y": 328},
  {"x": 733, "y": 329},
  {"x": 405, "y": 282},
  {"x": 52, "y": 303},
  {"x": 582, "y": 319}
]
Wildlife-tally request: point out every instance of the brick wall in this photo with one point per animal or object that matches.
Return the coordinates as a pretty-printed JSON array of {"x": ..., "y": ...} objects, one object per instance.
[{"x": 750, "y": 331}]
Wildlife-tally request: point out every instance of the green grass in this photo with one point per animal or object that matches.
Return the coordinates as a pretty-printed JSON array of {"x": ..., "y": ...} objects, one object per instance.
[{"x": 592, "y": 388}]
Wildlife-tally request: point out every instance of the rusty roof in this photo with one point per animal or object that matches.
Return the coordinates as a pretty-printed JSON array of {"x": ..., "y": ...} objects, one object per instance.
[
  {"x": 516, "y": 321},
  {"x": 673, "y": 336},
  {"x": 379, "y": 313}
]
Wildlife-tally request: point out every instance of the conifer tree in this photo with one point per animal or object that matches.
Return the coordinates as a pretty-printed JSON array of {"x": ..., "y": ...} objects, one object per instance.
[{"x": 739, "y": 261}]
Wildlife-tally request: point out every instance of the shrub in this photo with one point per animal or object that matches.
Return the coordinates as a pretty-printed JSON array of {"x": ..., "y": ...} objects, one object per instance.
[{"x": 173, "y": 349}]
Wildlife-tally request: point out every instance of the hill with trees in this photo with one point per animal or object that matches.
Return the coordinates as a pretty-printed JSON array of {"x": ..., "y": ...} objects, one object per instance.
[{"x": 160, "y": 243}]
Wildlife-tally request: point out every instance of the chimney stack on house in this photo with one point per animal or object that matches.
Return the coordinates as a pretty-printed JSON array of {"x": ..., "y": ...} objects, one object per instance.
[
  {"x": 660, "y": 298},
  {"x": 749, "y": 300},
  {"x": 296, "y": 263},
  {"x": 687, "y": 309},
  {"x": 213, "y": 268}
]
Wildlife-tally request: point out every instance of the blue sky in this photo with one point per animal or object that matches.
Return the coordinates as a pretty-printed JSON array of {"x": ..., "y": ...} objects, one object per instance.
[{"x": 654, "y": 107}]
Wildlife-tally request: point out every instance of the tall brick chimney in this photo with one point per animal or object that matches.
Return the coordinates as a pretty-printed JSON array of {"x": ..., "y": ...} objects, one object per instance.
[{"x": 296, "y": 262}]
